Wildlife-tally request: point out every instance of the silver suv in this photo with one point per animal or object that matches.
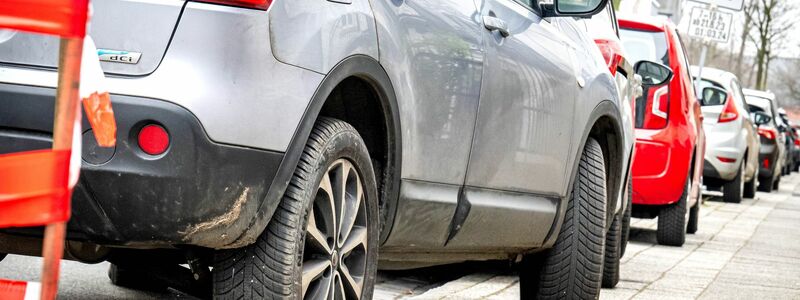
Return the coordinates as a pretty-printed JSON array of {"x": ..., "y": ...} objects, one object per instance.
[
  {"x": 732, "y": 141},
  {"x": 276, "y": 147}
]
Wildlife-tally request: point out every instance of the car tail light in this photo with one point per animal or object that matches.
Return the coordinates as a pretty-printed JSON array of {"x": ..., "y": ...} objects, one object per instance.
[
  {"x": 610, "y": 50},
  {"x": 797, "y": 142},
  {"x": 653, "y": 114},
  {"x": 153, "y": 139},
  {"x": 729, "y": 112},
  {"x": 768, "y": 133},
  {"x": 726, "y": 159},
  {"x": 766, "y": 163},
  {"x": 259, "y": 4}
]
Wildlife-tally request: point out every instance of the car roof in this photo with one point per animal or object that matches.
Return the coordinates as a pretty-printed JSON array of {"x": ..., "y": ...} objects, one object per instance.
[
  {"x": 650, "y": 23},
  {"x": 762, "y": 94},
  {"x": 713, "y": 74}
]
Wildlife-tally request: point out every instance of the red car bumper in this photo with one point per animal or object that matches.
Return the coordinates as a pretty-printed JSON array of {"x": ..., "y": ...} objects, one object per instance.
[{"x": 660, "y": 168}]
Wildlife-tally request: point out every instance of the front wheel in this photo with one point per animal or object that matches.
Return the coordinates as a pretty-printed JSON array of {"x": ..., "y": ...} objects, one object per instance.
[
  {"x": 573, "y": 268},
  {"x": 322, "y": 240},
  {"x": 750, "y": 186}
]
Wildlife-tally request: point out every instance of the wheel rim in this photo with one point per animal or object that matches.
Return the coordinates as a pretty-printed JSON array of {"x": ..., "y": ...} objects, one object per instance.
[{"x": 334, "y": 255}]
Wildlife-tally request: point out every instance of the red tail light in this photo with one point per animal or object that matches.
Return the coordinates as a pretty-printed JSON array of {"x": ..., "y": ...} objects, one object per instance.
[
  {"x": 797, "y": 142},
  {"x": 726, "y": 159},
  {"x": 766, "y": 163},
  {"x": 729, "y": 112},
  {"x": 769, "y": 133},
  {"x": 655, "y": 111},
  {"x": 611, "y": 53},
  {"x": 259, "y": 4}
]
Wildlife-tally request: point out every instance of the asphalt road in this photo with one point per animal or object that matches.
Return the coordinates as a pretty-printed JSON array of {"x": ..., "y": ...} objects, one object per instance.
[{"x": 741, "y": 251}]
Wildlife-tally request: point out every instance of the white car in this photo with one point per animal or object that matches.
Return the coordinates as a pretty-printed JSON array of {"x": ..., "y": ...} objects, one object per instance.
[{"x": 732, "y": 142}]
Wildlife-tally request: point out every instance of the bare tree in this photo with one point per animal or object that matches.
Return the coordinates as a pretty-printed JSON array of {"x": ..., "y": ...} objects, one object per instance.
[
  {"x": 770, "y": 23},
  {"x": 748, "y": 10},
  {"x": 789, "y": 83}
]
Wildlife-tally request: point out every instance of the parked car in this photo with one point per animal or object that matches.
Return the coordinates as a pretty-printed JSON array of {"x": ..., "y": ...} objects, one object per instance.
[
  {"x": 732, "y": 140},
  {"x": 276, "y": 147},
  {"x": 796, "y": 148},
  {"x": 669, "y": 133},
  {"x": 791, "y": 139},
  {"x": 604, "y": 29},
  {"x": 772, "y": 155}
]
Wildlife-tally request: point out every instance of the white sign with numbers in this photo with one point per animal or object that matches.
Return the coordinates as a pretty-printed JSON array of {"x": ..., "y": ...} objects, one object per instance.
[{"x": 711, "y": 24}]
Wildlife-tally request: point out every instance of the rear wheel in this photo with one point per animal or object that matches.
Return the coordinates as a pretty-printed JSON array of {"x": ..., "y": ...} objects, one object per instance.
[
  {"x": 573, "y": 268},
  {"x": 733, "y": 191},
  {"x": 322, "y": 240},
  {"x": 672, "y": 221}
]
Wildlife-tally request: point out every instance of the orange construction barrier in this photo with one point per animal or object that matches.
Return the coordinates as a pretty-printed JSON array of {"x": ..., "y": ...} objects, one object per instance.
[{"x": 36, "y": 186}]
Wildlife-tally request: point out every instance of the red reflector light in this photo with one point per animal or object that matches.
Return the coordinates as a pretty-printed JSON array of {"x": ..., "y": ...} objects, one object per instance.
[
  {"x": 153, "y": 139},
  {"x": 766, "y": 163},
  {"x": 726, "y": 159},
  {"x": 259, "y": 4}
]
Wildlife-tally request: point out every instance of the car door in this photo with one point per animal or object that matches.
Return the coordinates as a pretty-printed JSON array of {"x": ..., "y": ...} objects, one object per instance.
[{"x": 525, "y": 117}]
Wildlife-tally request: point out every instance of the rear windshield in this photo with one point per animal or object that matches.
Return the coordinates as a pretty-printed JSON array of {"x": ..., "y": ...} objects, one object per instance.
[
  {"x": 645, "y": 45},
  {"x": 714, "y": 101},
  {"x": 757, "y": 103}
]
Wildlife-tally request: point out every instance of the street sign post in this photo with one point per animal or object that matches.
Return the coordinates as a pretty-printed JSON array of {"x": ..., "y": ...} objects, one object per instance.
[
  {"x": 710, "y": 24},
  {"x": 735, "y": 5}
]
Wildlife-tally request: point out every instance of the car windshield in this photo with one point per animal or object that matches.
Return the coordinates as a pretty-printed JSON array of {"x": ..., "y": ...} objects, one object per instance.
[
  {"x": 645, "y": 45},
  {"x": 760, "y": 103}
]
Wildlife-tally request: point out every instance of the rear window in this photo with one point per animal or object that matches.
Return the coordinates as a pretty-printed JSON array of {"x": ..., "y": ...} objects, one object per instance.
[
  {"x": 645, "y": 45},
  {"x": 714, "y": 101},
  {"x": 757, "y": 103}
]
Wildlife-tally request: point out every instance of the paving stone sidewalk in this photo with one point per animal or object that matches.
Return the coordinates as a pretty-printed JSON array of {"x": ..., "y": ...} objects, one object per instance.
[{"x": 741, "y": 251}]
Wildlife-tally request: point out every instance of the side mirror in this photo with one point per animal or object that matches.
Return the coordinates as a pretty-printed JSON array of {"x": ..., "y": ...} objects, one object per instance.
[
  {"x": 713, "y": 96},
  {"x": 761, "y": 118},
  {"x": 573, "y": 8},
  {"x": 652, "y": 73}
]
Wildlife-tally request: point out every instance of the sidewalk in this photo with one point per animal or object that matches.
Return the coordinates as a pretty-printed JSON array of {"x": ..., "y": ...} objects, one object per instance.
[{"x": 741, "y": 251}]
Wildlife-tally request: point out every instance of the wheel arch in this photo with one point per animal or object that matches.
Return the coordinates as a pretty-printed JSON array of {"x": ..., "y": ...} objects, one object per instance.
[
  {"x": 352, "y": 71},
  {"x": 605, "y": 125}
]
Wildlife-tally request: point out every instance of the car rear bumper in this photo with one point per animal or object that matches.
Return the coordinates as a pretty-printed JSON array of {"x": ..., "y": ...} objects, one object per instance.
[
  {"x": 196, "y": 193},
  {"x": 659, "y": 171}
]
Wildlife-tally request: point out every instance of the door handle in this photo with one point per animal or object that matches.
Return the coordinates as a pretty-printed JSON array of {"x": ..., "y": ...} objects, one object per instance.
[{"x": 494, "y": 23}]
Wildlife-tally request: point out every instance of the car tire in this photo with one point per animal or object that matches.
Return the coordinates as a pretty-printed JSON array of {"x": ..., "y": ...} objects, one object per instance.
[
  {"x": 134, "y": 279},
  {"x": 776, "y": 184},
  {"x": 626, "y": 220},
  {"x": 733, "y": 191},
  {"x": 672, "y": 221},
  {"x": 573, "y": 268},
  {"x": 694, "y": 218},
  {"x": 305, "y": 252},
  {"x": 613, "y": 253},
  {"x": 750, "y": 186},
  {"x": 765, "y": 185}
]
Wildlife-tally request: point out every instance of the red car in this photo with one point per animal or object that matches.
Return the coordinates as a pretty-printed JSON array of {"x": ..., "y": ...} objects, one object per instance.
[{"x": 669, "y": 134}]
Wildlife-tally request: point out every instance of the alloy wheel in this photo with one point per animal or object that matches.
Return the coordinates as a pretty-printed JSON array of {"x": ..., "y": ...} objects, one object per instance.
[{"x": 335, "y": 251}]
